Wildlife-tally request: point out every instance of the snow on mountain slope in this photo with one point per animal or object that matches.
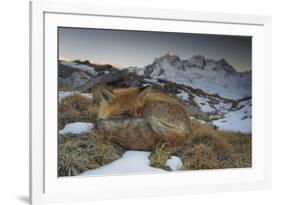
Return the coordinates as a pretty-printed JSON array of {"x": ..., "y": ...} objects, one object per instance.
[
  {"x": 214, "y": 77},
  {"x": 203, "y": 104},
  {"x": 239, "y": 119},
  {"x": 82, "y": 67},
  {"x": 224, "y": 114},
  {"x": 183, "y": 95}
]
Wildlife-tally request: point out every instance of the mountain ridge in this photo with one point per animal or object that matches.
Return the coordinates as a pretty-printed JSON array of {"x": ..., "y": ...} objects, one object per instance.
[
  {"x": 212, "y": 76},
  {"x": 198, "y": 61}
]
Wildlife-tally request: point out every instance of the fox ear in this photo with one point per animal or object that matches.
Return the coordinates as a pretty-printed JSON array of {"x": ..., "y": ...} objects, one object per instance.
[
  {"x": 106, "y": 95},
  {"x": 144, "y": 91}
]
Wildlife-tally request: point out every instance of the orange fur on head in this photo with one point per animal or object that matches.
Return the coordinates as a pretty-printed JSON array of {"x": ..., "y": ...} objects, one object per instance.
[
  {"x": 126, "y": 101},
  {"x": 120, "y": 102}
]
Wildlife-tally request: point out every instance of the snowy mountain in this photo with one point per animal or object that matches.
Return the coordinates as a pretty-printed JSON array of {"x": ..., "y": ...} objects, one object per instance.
[{"x": 214, "y": 77}]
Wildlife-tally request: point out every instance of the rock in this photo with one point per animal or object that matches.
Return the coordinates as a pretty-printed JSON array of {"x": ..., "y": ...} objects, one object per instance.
[
  {"x": 197, "y": 61},
  {"x": 72, "y": 82},
  {"x": 224, "y": 66}
]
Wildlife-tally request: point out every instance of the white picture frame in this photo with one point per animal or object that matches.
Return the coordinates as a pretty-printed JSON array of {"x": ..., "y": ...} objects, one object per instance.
[{"x": 46, "y": 187}]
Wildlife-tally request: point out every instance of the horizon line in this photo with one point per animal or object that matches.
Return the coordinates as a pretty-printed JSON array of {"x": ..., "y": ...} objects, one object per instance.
[{"x": 103, "y": 62}]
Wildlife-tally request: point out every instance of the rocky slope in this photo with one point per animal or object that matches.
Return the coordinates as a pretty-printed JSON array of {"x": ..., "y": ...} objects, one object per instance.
[{"x": 74, "y": 74}]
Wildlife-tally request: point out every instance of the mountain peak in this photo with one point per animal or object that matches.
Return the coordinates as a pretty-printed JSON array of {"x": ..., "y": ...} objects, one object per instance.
[
  {"x": 224, "y": 65},
  {"x": 170, "y": 53},
  {"x": 169, "y": 57}
]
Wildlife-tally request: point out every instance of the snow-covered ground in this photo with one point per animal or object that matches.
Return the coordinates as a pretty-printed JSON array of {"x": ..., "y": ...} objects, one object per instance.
[
  {"x": 203, "y": 104},
  {"x": 237, "y": 120},
  {"x": 222, "y": 107},
  {"x": 77, "y": 128},
  {"x": 63, "y": 94},
  {"x": 133, "y": 162},
  {"x": 183, "y": 95}
]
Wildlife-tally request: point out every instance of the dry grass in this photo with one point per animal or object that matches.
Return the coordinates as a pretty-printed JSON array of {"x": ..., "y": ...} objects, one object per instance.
[
  {"x": 206, "y": 149},
  {"x": 209, "y": 149},
  {"x": 81, "y": 153},
  {"x": 207, "y": 117},
  {"x": 75, "y": 155},
  {"x": 75, "y": 108},
  {"x": 159, "y": 156}
]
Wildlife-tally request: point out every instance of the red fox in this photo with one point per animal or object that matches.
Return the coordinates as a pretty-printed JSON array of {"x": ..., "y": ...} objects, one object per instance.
[{"x": 140, "y": 117}]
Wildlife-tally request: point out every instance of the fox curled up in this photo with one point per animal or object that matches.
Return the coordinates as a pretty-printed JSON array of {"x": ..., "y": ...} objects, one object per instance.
[{"x": 138, "y": 118}]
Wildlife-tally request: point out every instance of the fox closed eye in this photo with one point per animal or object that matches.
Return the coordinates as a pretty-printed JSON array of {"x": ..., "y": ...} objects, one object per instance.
[
  {"x": 107, "y": 95},
  {"x": 121, "y": 114}
]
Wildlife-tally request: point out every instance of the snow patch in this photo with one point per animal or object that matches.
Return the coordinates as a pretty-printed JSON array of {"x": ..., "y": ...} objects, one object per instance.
[
  {"x": 203, "y": 104},
  {"x": 238, "y": 120},
  {"x": 183, "y": 95},
  {"x": 223, "y": 107},
  {"x": 77, "y": 128},
  {"x": 174, "y": 163},
  {"x": 131, "y": 162},
  {"x": 140, "y": 71}
]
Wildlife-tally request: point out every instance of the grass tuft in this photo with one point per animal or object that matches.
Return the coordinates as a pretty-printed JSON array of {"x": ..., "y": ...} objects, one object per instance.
[
  {"x": 80, "y": 153},
  {"x": 159, "y": 156},
  {"x": 214, "y": 149},
  {"x": 75, "y": 108},
  {"x": 207, "y": 148}
]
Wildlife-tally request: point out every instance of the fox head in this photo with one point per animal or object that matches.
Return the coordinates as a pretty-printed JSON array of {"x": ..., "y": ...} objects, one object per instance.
[{"x": 121, "y": 102}]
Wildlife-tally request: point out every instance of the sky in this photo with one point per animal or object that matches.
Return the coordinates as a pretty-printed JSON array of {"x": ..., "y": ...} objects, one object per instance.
[{"x": 139, "y": 48}]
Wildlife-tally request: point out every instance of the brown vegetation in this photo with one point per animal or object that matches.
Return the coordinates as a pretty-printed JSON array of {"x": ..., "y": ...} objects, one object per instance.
[
  {"x": 75, "y": 108},
  {"x": 77, "y": 154},
  {"x": 210, "y": 149},
  {"x": 207, "y": 148}
]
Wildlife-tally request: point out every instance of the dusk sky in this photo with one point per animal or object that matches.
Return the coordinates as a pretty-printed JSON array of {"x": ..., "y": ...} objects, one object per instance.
[{"x": 135, "y": 48}]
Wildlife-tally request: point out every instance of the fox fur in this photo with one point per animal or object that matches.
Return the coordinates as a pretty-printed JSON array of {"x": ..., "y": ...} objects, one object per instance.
[{"x": 139, "y": 118}]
